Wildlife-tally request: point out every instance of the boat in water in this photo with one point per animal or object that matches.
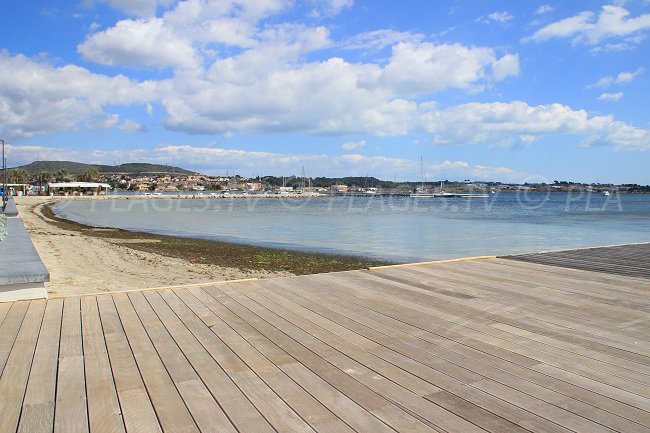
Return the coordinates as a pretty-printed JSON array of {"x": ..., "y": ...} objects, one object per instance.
[{"x": 423, "y": 193}]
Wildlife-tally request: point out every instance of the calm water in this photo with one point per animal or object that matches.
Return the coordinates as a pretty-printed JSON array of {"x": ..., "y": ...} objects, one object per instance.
[{"x": 399, "y": 229}]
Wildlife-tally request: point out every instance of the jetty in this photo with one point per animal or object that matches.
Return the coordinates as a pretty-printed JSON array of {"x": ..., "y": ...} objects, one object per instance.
[{"x": 531, "y": 343}]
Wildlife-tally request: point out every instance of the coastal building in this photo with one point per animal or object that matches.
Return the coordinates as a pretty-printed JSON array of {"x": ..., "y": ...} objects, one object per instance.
[
  {"x": 339, "y": 188},
  {"x": 18, "y": 188},
  {"x": 78, "y": 188}
]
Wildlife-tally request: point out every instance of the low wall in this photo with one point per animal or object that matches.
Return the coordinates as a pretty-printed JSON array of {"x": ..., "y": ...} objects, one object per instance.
[
  {"x": 22, "y": 272},
  {"x": 10, "y": 210}
]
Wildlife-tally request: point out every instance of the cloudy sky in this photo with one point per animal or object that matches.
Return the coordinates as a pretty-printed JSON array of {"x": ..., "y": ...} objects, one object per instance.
[{"x": 492, "y": 90}]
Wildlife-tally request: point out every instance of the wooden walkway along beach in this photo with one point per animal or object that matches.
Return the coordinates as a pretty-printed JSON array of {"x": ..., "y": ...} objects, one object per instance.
[{"x": 495, "y": 345}]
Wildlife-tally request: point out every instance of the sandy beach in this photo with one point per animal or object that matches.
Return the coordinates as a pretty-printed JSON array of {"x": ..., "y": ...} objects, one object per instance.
[
  {"x": 83, "y": 260},
  {"x": 79, "y": 263}
]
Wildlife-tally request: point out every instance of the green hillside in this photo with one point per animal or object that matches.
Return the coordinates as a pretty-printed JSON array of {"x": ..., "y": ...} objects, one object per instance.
[{"x": 78, "y": 167}]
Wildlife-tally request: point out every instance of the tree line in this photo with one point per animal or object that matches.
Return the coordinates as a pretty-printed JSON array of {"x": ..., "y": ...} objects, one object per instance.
[{"x": 19, "y": 175}]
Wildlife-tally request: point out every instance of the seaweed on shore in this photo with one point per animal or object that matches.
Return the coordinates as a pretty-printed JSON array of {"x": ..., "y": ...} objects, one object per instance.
[{"x": 219, "y": 253}]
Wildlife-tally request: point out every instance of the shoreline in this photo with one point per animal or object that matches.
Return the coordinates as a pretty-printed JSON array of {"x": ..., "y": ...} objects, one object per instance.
[{"x": 84, "y": 259}]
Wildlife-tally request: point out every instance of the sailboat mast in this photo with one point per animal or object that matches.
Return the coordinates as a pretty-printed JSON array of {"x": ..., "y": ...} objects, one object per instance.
[{"x": 421, "y": 174}]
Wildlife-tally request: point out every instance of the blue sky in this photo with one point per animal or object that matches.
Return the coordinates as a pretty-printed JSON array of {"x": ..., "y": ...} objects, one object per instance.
[{"x": 483, "y": 90}]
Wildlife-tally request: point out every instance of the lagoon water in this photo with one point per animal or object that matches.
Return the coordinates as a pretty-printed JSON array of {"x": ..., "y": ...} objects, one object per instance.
[{"x": 401, "y": 229}]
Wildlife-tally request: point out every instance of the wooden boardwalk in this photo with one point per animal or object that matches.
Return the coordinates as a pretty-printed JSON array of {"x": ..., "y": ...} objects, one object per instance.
[
  {"x": 630, "y": 260},
  {"x": 488, "y": 345}
]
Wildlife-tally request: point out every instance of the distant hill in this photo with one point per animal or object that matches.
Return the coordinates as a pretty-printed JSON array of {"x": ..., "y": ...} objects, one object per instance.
[{"x": 78, "y": 167}]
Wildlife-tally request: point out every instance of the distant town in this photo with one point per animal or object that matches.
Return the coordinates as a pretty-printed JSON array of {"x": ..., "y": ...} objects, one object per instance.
[{"x": 42, "y": 176}]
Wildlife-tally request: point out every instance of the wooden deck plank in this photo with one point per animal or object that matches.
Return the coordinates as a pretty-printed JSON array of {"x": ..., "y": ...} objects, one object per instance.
[
  {"x": 429, "y": 319},
  {"x": 169, "y": 406},
  {"x": 13, "y": 382},
  {"x": 401, "y": 354},
  {"x": 632, "y": 260},
  {"x": 269, "y": 370},
  {"x": 415, "y": 406},
  {"x": 322, "y": 378},
  {"x": 104, "y": 414},
  {"x": 355, "y": 346},
  {"x": 494, "y": 345},
  {"x": 71, "y": 413},
  {"x": 314, "y": 399},
  {"x": 280, "y": 415},
  {"x": 137, "y": 410},
  {"x": 9, "y": 330},
  {"x": 207, "y": 357},
  {"x": 4, "y": 310},
  {"x": 509, "y": 342},
  {"x": 439, "y": 332},
  {"x": 38, "y": 406},
  {"x": 550, "y": 297},
  {"x": 507, "y": 286},
  {"x": 355, "y": 363},
  {"x": 469, "y": 350},
  {"x": 206, "y": 412},
  {"x": 635, "y": 288},
  {"x": 497, "y": 378},
  {"x": 485, "y": 309}
]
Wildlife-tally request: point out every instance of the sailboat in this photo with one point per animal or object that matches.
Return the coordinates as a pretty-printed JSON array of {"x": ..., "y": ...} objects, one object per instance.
[
  {"x": 442, "y": 192},
  {"x": 420, "y": 193}
]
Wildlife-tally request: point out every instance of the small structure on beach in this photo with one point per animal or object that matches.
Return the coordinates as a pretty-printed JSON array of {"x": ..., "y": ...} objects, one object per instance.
[
  {"x": 78, "y": 188},
  {"x": 17, "y": 189}
]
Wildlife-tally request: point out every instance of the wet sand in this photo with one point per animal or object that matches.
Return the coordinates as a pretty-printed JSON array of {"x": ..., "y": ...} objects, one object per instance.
[{"x": 83, "y": 259}]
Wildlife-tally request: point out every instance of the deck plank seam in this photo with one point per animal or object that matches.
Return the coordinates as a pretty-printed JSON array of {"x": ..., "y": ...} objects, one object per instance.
[
  {"x": 162, "y": 362},
  {"x": 244, "y": 362},
  {"x": 31, "y": 361},
  {"x": 301, "y": 344},
  {"x": 225, "y": 372},
  {"x": 278, "y": 368},
  {"x": 192, "y": 364},
  {"x": 488, "y": 334},
  {"x": 485, "y": 377},
  {"x": 346, "y": 355},
  {"x": 110, "y": 299}
]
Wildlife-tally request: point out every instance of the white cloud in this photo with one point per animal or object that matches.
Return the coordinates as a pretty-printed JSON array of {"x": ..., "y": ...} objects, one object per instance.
[
  {"x": 351, "y": 145},
  {"x": 139, "y": 43},
  {"x": 610, "y": 96},
  {"x": 37, "y": 98},
  {"x": 516, "y": 123},
  {"x": 387, "y": 167},
  {"x": 267, "y": 89},
  {"x": 269, "y": 86},
  {"x": 214, "y": 160},
  {"x": 628, "y": 77},
  {"x": 329, "y": 7},
  {"x": 142, "y": 8},
  {"x": 182, "y": 35},
  {"x": 563, "y": 28},
  {"x": 624, "y": 77},
  {"x": 501, "y": 17},
  {"x": 544, "y": 9},
  {"x": 130, "y": 125},
  {"x": 591, "y": 29},
  {"x": 427, "y": 68},
  {"x": 506, "y": 66},
  {"x": 379, "y": 39},
  {"x": 103, "y": 122}
]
